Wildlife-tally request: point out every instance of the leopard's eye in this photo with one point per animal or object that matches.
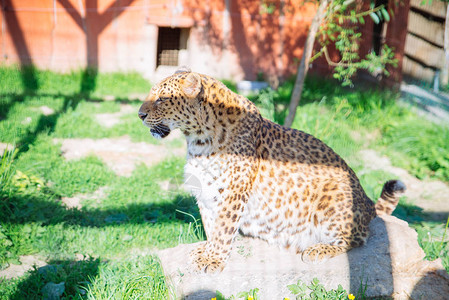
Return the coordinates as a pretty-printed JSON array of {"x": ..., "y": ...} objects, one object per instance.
[{"x": 161, "y": 99}]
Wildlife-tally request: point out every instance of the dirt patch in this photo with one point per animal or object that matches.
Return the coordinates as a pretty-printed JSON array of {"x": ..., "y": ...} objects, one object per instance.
[
  {"x": 119, "y": 154},
  {"x": 432, "y": 196},
  {"x": 75, "y": 201},
  {"x": 132, "y": 96},
  {"x": 108, "y": 120},
  {"x": 138, "y": 96},
  {"x": 28, "y": 261},
  {"x": 366, "y": 137},
  {"x": 46, "y": 111},
  {"x": 5, "y": 147}
]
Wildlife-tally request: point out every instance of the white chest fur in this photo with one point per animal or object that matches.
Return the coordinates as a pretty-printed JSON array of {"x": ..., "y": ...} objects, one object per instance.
[{"x": 206, "y": 178}]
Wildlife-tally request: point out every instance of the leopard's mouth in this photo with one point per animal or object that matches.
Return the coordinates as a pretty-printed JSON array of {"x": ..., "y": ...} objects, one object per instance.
[{"x": 160, "y": 131}]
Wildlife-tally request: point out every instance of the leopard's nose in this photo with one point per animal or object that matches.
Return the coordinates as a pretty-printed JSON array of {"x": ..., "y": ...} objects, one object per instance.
[{"x": 142, "y": 115}]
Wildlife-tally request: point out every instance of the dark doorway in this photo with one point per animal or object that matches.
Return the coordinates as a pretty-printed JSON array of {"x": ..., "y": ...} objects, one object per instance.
[{"x": 379, "y": 30}]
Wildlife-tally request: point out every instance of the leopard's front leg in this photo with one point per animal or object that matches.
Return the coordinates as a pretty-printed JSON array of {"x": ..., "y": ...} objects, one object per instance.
[{"x": 211, "y": 256}]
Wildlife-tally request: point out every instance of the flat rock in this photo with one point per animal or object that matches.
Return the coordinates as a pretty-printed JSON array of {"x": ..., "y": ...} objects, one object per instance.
[
  {"x": 391, "y": 264},
  {"x": 53, "y": 291}
]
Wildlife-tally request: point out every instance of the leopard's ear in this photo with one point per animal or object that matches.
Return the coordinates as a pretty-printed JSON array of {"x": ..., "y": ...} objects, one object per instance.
[
  {"x": 191, "y": 85},
  {"x": 183, "y": 69}
]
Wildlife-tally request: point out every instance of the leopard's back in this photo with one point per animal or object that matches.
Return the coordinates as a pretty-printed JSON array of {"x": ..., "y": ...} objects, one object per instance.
[{"x": 304, "y": 193}]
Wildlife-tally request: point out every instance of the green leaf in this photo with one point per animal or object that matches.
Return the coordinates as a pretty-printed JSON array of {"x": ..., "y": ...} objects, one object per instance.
[
  {"x": 379, "y": 14},
  {"x": 361, "y": 20},
  {"x": 385, "y": 14},
  {"x": 219, "y": 296},
  {"x": 294, "y": 289},
  {"x": 375, "y": 18}
]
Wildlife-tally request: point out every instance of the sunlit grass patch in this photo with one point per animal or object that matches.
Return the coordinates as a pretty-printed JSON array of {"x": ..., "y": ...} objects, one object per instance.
[
  {"x": 131, "y": 125},
  {"x": 140, "y": 278},
  {"x": 17, "y": 80},
  {"x": 423, "y": 146},
  {"x": 433, "y": 237},
  {"x": 79, "y": 176}
]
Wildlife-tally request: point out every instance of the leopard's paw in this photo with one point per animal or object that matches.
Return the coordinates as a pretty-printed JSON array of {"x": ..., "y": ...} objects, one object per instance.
[
  {"x": 202, "y": 262},
  {"x": 316, "y": 254}
]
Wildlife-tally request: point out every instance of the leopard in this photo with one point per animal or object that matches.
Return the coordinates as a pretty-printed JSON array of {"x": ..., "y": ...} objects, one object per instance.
[{"x": 258, "y": 178}]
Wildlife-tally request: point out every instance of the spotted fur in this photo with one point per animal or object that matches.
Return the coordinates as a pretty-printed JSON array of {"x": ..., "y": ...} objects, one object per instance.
[{"x": 257, "y": 177}]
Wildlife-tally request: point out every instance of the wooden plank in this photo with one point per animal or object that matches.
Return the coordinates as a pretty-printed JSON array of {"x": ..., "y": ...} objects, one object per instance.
[
  {"x": 437, "y": 8},
  {"x": 416, "y": 70},
  {"x": 430, "y": 30},
  {"x": 423, "y": 51}
]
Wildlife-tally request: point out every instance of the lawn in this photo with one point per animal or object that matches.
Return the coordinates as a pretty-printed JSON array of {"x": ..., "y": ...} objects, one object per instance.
[{"x": 102, "y": 248}]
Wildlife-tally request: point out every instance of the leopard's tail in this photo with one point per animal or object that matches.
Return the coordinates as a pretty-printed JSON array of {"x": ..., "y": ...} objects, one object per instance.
[{"x": 389, "y": 197}]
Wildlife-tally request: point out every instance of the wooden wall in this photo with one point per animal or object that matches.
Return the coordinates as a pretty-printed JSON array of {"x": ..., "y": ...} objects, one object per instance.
[{"x": 424, "y": 53}]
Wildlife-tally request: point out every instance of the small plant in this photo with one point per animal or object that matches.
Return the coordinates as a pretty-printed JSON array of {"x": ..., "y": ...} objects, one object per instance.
[
  {"x": 195, "y": 231},
  {"x": 316, "y": 290},
  {"x": 245, "y": 252},
  {"x": 22, "y": 182},
  {"x": 432, "y": 237},
  {"x": 5, "y": 245},
  {"x": 6, "y": 168},
  {"x": 253, "y": 294}
]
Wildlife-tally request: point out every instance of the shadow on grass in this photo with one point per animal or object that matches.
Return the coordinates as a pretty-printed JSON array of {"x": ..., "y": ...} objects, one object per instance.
[
  {"x": 414, "y": 214},
  {"x": 31, "y": 86},
  {"x": 47, "y": 123},
  {"x": 22, "y": 209},
  {"x": 68, "y": 277}
]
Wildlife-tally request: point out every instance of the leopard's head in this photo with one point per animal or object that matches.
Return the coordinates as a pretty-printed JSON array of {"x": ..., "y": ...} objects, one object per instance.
[{"x": 172, "y": 103}]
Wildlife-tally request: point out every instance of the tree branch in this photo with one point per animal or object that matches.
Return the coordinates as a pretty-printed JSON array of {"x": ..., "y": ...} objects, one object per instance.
[{"x": 304, "y": 64}]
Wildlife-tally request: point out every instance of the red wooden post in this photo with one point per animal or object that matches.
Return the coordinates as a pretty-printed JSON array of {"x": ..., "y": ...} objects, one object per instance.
[{"x": 395, "y": 38}]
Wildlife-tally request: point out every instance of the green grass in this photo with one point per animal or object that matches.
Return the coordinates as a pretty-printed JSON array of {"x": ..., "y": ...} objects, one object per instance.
[
  {"x": 334, "y": 114},
  {"x": 423, "y": 147},
  {"x": 16, "y": 81},
  {"x": 433, "y": 238},
  {"x": 74, "y": 98},
  {"x": 140, "y": 277},
  {"x": 132, "y": 216}
]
